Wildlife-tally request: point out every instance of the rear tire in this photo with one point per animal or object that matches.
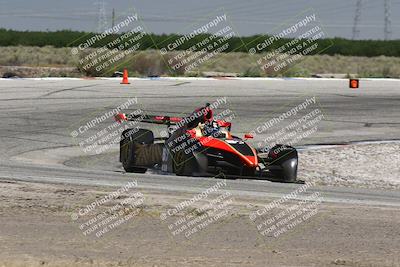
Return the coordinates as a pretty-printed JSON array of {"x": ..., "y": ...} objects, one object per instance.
[{"x": 129, "y": 139}]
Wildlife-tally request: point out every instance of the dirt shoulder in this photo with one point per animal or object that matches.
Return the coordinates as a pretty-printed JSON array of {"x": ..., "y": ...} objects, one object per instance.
[{"x": 38, "y": 228}]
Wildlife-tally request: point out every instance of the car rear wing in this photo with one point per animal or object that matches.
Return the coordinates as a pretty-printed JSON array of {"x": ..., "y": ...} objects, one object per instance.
[{"x": 156, "y": 119}]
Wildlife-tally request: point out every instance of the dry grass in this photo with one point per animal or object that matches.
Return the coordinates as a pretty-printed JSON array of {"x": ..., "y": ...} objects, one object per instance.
[
  {"x": 149, "y": 62},
  {"x": 46, "y": 56},
  {"x": 319, "y": 64}
]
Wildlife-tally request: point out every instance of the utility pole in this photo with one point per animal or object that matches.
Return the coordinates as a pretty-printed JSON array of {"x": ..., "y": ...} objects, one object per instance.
[
  {"x": 388, "y": 22},
  {"x": 357, "y": 16}
]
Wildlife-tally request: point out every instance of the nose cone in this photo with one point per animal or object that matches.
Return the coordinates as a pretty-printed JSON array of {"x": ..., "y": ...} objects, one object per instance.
[{"x": 251, "y": 161}]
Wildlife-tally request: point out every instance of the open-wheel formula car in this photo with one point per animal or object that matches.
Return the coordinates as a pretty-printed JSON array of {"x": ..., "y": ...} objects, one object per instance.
[{"x": 199, "y": 145}]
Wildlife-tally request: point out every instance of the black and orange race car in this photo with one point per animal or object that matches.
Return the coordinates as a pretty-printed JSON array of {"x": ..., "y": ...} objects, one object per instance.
[{"x": 200, "y": 145}]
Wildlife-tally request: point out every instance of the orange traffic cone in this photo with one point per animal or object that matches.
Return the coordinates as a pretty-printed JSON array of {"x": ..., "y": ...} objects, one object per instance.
[
  {"x": 125, "y": 77},
  {"x": 354, "y": 83}
]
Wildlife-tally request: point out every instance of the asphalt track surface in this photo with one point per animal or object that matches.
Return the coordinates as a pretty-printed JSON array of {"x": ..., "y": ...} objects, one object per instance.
[{"x": 38, "y": 116}]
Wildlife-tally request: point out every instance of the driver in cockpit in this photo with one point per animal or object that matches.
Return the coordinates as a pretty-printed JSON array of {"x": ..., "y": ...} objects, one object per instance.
[{"x": 211, "y": 128}]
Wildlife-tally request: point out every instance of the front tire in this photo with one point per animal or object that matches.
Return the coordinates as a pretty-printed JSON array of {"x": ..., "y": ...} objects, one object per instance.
[{"x": 283, "y": 162}]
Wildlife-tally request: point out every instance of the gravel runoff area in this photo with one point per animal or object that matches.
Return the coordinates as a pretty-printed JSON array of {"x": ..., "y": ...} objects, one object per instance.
[{"x": 359, "y": 165}]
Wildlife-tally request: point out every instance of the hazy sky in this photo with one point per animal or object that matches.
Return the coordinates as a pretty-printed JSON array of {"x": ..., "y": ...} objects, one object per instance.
[{"x": 167, "y": 16}]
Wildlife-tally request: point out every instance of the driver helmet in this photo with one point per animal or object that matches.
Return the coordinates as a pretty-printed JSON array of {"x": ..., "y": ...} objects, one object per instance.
[{"x": 211, "y": 128}]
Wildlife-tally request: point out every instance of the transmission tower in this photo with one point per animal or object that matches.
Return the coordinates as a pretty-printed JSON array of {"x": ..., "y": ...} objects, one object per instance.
[
  {"x": 101, "y": 17},
  {"x": 388, "y": 22},
  {"x": 113, "y": 18},
  {"x": 357, "y": 16}
]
